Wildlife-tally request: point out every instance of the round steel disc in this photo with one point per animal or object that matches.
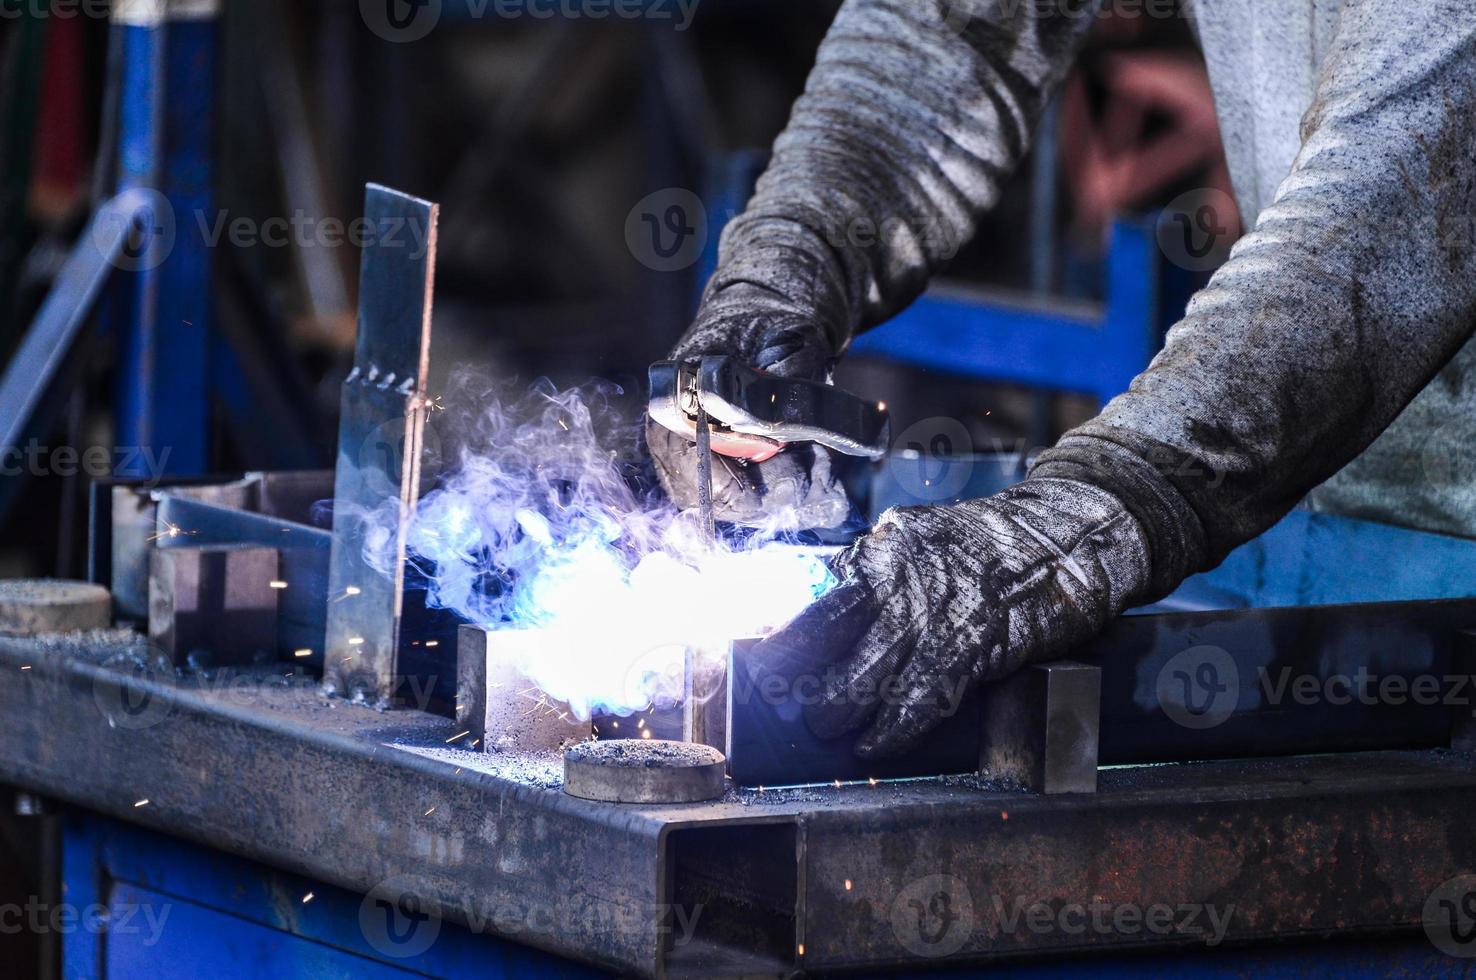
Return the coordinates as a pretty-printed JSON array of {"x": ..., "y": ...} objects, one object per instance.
[
  {"x": 644, "y": 771},
  {"x": 30, "y": 606}
]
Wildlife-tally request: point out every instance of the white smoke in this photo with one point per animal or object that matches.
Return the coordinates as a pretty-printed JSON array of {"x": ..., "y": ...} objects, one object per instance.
[{"x": 540, "y": 524}]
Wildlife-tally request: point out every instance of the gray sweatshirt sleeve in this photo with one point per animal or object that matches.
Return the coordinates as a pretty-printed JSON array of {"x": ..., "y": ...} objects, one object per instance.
[
  {"x": 1357, "y": 285},
  {"x": 915, "y": 114}
]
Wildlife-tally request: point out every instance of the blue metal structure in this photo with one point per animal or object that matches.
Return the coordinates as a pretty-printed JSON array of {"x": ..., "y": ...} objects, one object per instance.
[
  {"x": 166, "y": 145},
  {"x": 1043, "y": 344}
]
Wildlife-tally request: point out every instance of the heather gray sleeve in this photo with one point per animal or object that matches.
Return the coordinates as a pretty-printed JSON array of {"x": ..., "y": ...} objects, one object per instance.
[
  {"x": 915, "y": 114},
  {"x": 1357, "y": 285}
]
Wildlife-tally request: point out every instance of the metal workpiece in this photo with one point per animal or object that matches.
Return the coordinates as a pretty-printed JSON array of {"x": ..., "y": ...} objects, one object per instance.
[
  {"x": 215, "y": 605},
  {"x": 471, "y": 681},
  {"x": 130, "y": 521},
  {"x": 644, "y": 771},
  {"x": 516, "y": 715},
  {"x": 381, "y": 428},
  {"x": 1041, "y": 726},
  {"x": 30, "y": 606}
]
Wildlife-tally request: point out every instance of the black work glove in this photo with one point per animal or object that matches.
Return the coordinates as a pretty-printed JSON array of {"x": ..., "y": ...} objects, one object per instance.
[
  {"x": 944, "y": 598},
  {"x": 795, "y": 490}
]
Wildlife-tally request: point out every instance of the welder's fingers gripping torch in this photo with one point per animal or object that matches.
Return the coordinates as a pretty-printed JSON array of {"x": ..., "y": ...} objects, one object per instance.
[{"x": 737, "y": 411}]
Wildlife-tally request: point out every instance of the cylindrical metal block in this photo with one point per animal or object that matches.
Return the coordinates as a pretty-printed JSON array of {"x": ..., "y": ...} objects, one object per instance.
[
  {"x": 29, "y": 606},
  {"x": 644, "y": 771}
]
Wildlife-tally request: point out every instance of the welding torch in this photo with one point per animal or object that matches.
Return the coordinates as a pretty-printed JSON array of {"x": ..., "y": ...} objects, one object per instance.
[{"x": 742, "y": 413}]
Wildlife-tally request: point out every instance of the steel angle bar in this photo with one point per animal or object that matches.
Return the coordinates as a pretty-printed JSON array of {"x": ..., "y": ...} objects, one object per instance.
[{"x": 377, "y": 479}]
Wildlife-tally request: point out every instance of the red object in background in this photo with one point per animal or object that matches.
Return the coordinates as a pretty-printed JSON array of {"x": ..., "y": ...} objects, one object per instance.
[
  {"x": 60, "y": 160},
  {"x": 1156, "y": 132}
]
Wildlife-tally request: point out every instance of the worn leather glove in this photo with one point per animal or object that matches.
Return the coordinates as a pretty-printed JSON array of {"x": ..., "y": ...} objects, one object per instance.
[
  {"x": 797, "y": 489},
  {"x": 943, "y": 598}
]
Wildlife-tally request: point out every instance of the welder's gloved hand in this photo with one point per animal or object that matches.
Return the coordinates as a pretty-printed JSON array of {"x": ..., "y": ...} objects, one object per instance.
[
  {"x": 943, "y": 598},
  {"x": 797, "y": 489}
]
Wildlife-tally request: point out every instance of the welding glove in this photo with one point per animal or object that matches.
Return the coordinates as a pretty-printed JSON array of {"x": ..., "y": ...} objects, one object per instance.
[
  {"x": 797, "y": 489},
  {"x": 936, "y": 600}
]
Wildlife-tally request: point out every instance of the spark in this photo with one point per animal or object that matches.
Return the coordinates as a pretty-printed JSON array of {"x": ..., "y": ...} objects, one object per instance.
[
  {"x": 800, "y": 949},
  {"x": 304, "y": 652},
  {"x": 26, "y": 667},
  {"x": 356, "y": 641},
  {"x": 837, "y": 784},
  {"x": 432, "y": 643},
  {"x": 277, "y": 584},
  {"x": 872, "y": 780},
  {"x": 881, "y": 406},
  {"x": 140, "y": 803},
  {"x": 307, "y": 898},
  {"x": 429, "y": 812},
  {"x": 1003, "y": 815},
  {"x": 457, "y": 772},
  {"x": 646, "y": 733},
  {"x": 171, "y": 531},
  {"x": 455, "y": 737},
  {"x": 352, "y": 590},
  {"x": 474, "y": 742},
  {"x": 848, "y": 884},
  {"x": 345, "y": 660},
  {"x": 563, "y": 425},
  {"x": 614, "y": 724}
]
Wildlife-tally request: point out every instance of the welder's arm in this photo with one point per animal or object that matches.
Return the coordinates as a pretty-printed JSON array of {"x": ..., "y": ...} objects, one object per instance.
[
  {"x": 1357, "y": 285},
  {"x": 915, "y": 114}
]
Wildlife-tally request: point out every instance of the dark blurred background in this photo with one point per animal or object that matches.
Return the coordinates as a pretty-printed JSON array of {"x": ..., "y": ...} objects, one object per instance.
[{"x": 538, "y": 137}]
